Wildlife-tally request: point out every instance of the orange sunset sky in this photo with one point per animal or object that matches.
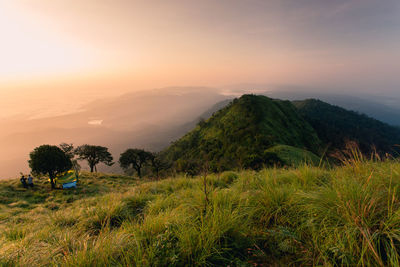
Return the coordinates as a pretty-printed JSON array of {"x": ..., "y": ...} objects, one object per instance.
[{"x": 64, "y": 53}]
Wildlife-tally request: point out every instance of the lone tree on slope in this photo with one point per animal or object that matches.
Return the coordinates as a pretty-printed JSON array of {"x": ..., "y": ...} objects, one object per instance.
[
  {"x": 50, "y": 160},
  {"x": 158, "y": 163},
  {"x": 69, "y": 150},
  {"x": 136, "y": 158},
  {"x": 94, "y": 155}
]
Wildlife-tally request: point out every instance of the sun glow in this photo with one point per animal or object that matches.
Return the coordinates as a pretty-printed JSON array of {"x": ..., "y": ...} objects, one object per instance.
[{"x": 29, "y": 48}]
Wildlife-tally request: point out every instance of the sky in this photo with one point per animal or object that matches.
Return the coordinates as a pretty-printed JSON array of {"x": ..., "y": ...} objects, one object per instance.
[{"x": 57, "y": 54}]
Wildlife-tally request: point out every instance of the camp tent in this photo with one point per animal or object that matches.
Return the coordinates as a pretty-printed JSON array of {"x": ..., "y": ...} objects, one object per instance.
[{"x": 67, "y": 179}]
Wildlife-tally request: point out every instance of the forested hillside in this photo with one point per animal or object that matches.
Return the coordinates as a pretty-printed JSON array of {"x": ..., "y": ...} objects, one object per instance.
[
  {"x": 335, "y": 126},
  {"x": 255, "y": 131},
  {"x": 239, "y": 134}
]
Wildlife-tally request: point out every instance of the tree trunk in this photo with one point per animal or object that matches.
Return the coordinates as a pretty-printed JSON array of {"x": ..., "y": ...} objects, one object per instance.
[
  {"x": 53, "y": 186},
  {"x": 139, "y": 173},
  {"x": 91, "y": 168}
]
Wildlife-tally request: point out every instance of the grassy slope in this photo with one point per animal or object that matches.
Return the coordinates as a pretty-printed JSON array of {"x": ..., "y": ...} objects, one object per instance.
[
  {"x": 304, "y": 216},
  {"x": 293, "y": 156}
]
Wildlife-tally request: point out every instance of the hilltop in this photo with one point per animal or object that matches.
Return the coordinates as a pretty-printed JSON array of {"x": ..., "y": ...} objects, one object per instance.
[
  {"x": 303, "y": 216},
  {"x": 239, "y": 134},
  {"x": 254, "y": 131}
]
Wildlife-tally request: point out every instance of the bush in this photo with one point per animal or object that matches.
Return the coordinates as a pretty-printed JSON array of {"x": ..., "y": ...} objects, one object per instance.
[{"x": 229, "y": 177}]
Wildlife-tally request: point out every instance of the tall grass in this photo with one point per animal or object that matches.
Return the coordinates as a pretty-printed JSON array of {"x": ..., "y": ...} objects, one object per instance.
[{"x": 344, "y": 216}]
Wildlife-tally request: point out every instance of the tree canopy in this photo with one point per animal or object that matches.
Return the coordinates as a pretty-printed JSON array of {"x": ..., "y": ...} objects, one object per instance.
[
  {"x": 49, "y": 160},
  {"x": 135, "y": 158},
  {"x": 69, "y": 150},
  {"x": 158, "y": 164},
  {"x": 94, "y": 155}
]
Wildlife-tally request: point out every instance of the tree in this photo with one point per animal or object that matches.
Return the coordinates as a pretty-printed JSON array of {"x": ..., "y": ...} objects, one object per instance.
[
  {"x": 50, "y": 160},
  {"x": 158, "y": 163},
  {"x": 69, "y": 150},
  {"x": 136, "y": 158},
  {"x": 94, "y": 155}
]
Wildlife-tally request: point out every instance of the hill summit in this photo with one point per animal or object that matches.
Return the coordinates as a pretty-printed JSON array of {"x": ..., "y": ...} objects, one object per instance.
[
  {"x": 255, "y": 131},
  {"x": 240, "y": 134}
]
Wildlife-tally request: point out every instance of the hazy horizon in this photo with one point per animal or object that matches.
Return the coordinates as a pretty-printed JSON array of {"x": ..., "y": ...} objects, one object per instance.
[
  {"x": 47, "y": 107},
  {"x": 134, "y": 119},
  {"x": 58, "y": 53}
]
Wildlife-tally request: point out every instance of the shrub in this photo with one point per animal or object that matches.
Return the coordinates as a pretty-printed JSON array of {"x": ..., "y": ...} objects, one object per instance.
[{"x": 229, "y": 177}]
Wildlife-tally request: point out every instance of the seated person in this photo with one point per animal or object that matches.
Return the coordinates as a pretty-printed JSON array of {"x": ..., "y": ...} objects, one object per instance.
[
  {"x": 23, "y": 181},
  {"x": 30, "y": 181}
]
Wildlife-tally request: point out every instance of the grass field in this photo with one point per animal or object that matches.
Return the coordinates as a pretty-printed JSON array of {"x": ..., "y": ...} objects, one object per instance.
[{"x": 306, "y": 216}]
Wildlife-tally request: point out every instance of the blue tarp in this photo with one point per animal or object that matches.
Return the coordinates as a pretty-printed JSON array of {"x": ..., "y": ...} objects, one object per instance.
[
  {"x": 69, "y": 185},
  {"x": 67, "y": 179}
]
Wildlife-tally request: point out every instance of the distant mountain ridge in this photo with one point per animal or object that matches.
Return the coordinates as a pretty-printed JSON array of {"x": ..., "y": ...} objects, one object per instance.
[
  {"x": 335, "y": 125},
  {"x": 380, "y": 108}
]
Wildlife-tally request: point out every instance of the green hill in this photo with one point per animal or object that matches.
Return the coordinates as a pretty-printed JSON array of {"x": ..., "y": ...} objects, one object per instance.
[
  {"x": 344, "y": 216},
  {"x": 255, "y": 131},
  {"x": 335, "y": 126},
  {"x": 238, "y": 135}
]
